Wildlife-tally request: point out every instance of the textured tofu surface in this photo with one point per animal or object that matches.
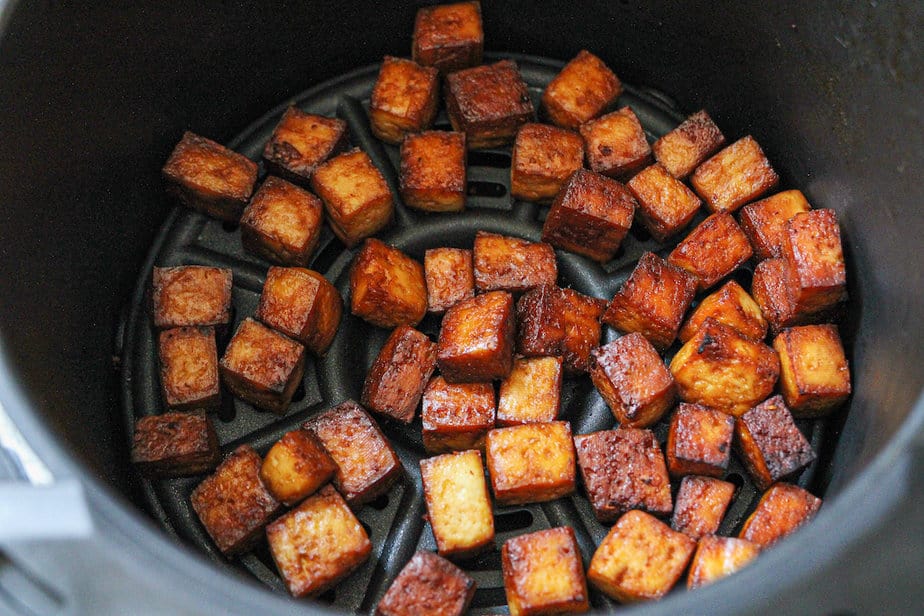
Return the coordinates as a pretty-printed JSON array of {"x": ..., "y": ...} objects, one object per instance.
[
  {"x": 764, "y": 221},
  {"x": 404, "y": 99},
  {"x": 684, "y": 148},
  {"x": 456, "y": 416},
  {"x": 770, "y": 444},
  {"x": 531, "y": 463},
  {"x": 781, "y": 510},
  {"x": 531, "y": 393},
  {"x": 615, "y": 144},
  {"x": 814, "y": 374},
  {"x": 812, "y": 249},
  {"x": 301, "y": 304},
  {"x": 301, "y": 142},
  {"x": 701, "y": 505},
  {"x": 718, "y": 557},
  {"x": 665, "y": 204},
  {"x": 448, "y": 36},
  {"x": 175, "y": 444},
  {"x": 398, "y": 375},
  {"x": 544, "y": 157},
  {"x": 450, "y": 277},
  {"x": 736, "y": 175},
  {"x": 191, "y": 295},
  {"x": 477, "y": 338},
  {"x": 713, "y": 250},
  {"x": 433, "y": 171},
  {"x": 296, "y": 466},
  {"x": 772, "y": 289},
  {"x": 282, "y": 223},
  {"x": 428, "y": 584},
  {"x": 581, "y": 91},
  {"x": 189, "y": 368},
  {"x": 732, "y": 306},
  {"x": 543, "y": 573},
  {"x": 699, "y": 441},
  {"x": 504, "y": 263},
  {"x": 387, "y": 287}
]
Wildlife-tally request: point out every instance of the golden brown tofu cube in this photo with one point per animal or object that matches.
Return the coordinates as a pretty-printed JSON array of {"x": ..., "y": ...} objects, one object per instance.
[
  {"x": 772, "y": 289},
  {"x": 456, "y": 416},
  {"x": 175, "y": 445},
  {"x": 367, "y": 466},
  {"x": 189, "y": 368},
  {"x": 640, "y": 558},
  {"x": 701, "y": 505},
  {"x": 737, "y": 175},
  {"x": 263, "y": 367},
  {"x": 699, "y": 441},
  {"x": 581, "y": 91},
  {"x": 450, "y": 277},
  {"x": 543, "y": 573},
  {"x": 433, "y": 170},
  {"x": 532, "y": 392},
  {"x": 544, "y": 157},
  {"x": 615, "y": 144},
  {"x": 301, "y": 304},
  {"x": 296, "y": 466},
  {"x": 724, "y": 370},
  {"x": 387, "y": 287},
  {"x": 814, "y": 375},
  {"x": 731, "y": 305},
  {"x": 531, "y": 463},
  {"x": 428, "y": 584},
  {"x": 233, "y": 504},
  {"x": 781, "y": 510},
  {"x": 301, "y": 142},
  {"x": 633, "y": 380},
  {"x": 191, "y": 295},
  {"x": 652, "y": 301},
  {"x": 764, "y": 221},
  {"x": 458, "y": 505},
  {"x": 488, "y": 103},
  {"x": 504, "y": 263},
  {"x": 282, "y": 223},
  {"x": 476, "y": 340},
  {"x": 713, "y": 250},
  {"x": 317, "y": 544},
  {"x": 770, "y": 444},
  {"x": 665, "y": 204},
  {"x": 208, "y": 177},
  {"x": 623, "y": 469},
  {"x": 399, "y": 374},
  {"x": 590, "y": 216},
  {"x": 404, "y": 99},
  {"x": 355, "y": 195},
  {"x": 718, "y": 557},
  {"x": 448, "y": 36},
  {"x": 684, "y": 148},
  {"x": 812, "y": 249}
]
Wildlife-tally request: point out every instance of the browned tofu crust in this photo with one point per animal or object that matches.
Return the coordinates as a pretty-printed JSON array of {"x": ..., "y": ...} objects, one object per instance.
[
  {"x": 544, "y": 157},
  {"x": 296, "y": 466},
  {"x": 175, "y": 445},
  {"x": 189, "y": 368},
  {"x": 433, "y": 171},
  {"x": 737, "y": 175},
  {"x": 404, "y": 99},
  {"x": 713, "y": 250},
  {"x": 772, "y": 289},
  {"x": 448, "y": 36},
  {"x": 781, "y": 510},
  {"x": 428, "y": 584},
  {"x": 684, "y": 148},
  {"x": 770, "y": 444},
  {"x": 399, "y": 374},
  {"x": 282, "y": 223},
  {"x": 450, "y": 277},
  {"x": 532, "y": 392},
  {"x": 531, "y": 463},
  {"x": 814, "y": 375},
  {"x": 665, "y": 204},
  {"x": 302, "y": 141},
  {"x": 456, "y": 416},
  {"x": 699, "y": 441},
  {"x": 191, "y": 295},
  {"x": 764, "y": 221},
  {"x": 583, "y": 89},
  {"x": 701, "y": 505},
  {"x": 718, "y": 557},
  {"x": 387, "y": 287},
  {"x": 504, "y": 263},
  {"x": 812, "y": 249},
  {"x": 731, "y": 305},
  {"x": 615, "y": 144},
  {"x": 477, "y": 338},
  {"x": 301, "y": 304}
]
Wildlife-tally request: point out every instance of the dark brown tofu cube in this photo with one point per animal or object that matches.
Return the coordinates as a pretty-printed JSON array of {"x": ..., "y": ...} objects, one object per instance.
[
  {"x": 718, "y": 557},
  {"x": 448, "y": 36},
  {"x": 428, "y": 584},
  {"x": 189, "y": 368},
  {"x": 450, "y": 277},
  {"x": 737, "y": 175},
  {"x": 296, "y": 466},
  {"x": 531, "y": 393},
  {"x": 665, "y": 204},
  {"x": 191, "y": 295},
  {"x": 615, "y": 144},
  {"x": 399, "y": 374},
  {"x": 175, "y": 445},
  {"x": 544, "y": 157},
  {"x": 531, "y": 463},
  {"x": 282, "y": 223},
  {"x": 404, "y": 99},
  {"x": 456, "y": 416},
  {"x": 772, "y": 289},
  {"x": 301, "y": 304},
  {"x": 476, "y": 340},
  {"x": 713, "y": 250},
  {"x": 701, "y": 505},
  {"x": 812, "y": 249},
  {"x": 732, "y": 306},
  {"x": 543, "y": 573},
  {"x": 387, "y": 287},
  {"x": 512, "y": 264},
  {"x": 814, "y": 375},
  {"x": 684, "y": 148},
  {"x": 433, "y": 171},
  {"x": 764, "y": 221},
  {"x": 699, "y": 441},
  {"x": 301, "y": 142},
  {"x": 581, "y": 91},
  {"x": 580, "y": 321},
  {"x": 770, "y": 444},
  {"x": 781, "y": 510}
]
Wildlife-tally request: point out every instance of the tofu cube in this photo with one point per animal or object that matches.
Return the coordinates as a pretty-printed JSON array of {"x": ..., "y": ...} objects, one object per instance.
[
  {"x": 633, "y": 380},
  {"x": 713, "y": 250},
  {"x": 301, "y": 304},
  {"x": 476, "y": 340},
  {"x": 175, "y": 445},
  {"x": 736, "y": 175},
  {"x": 296, "y": 466},
  {"x": 699, "y": 441},
  {"x": 450, "y": 277},
  {"x": 233, "y": 504},
  {"x": 404, "y": 99},
  {"x": 433, "y": 169},
  {"x": 770, "y": 444},
  {"x": 581, "y": 91},
  {"x": 488, "y": 103},
  {"x": 458, "y": 505},
  {"x": 814, "y": 375},
  {"x": 781, "y": 510},
  {"x": 263, "y": 367},
  {"x": 301, "y": 142},
  {"x": 812, "y": 249},
  {"x": 590, "y": 216},
  {"x": 191, "y": 296},
  {"x": 387, "y": 287},
  {"x": 623, "y": 469},
  {"x": 665, "y": 204},
  {"x": 356, "y": 196},
  {"x": 772, "y": 289},
  {"x": 543, "y": 573},
  {"x": 684, "y": 148},
  {"x": 652, "y": 301},
  {"x": 456, "y": 416},
  {"x": 367, "y": 465},
  {"x": 504, "y": 263},
  {"x": 208, "y": 177},
  {"x": 532, "y": 392},
  {"x": 718, "y": 557},
  {"x": 282, "y": 223},
  {"x": 615, "y": 144},
  {"x": 764, "y": 221},
  {"x": 531, "y": 463},
  {"x": 580, "y": 320},
  {"x": 640, "y": 558},
  {"x": 428, "y": 584},
  {"x": 732, "y": 306},
  {"x": 317, "y": 544},
  {"x": 399, "y": 374},
  {"x": 701, "y": 505},
  {"x": 448, "y": 36},
  {"x": 722, "y": 369},
  {"x": 544, "y": 157},
  {"x": 189, "y": 368}
]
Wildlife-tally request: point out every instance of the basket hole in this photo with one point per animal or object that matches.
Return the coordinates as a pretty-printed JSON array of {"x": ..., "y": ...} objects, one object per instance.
[
  {"x": 488, "y": 159},
  {"x": 380, "y": 503},
  {"x": 328, "y": 597},
  {"x": 229, "y": 226},
  {"x": 486, "y": 189},
  {"x": 367, "y": 528},
  {"x": 299, "y": 394},
  {"x": 736, "y": 479},
  {"x": 515, "y": 520}
]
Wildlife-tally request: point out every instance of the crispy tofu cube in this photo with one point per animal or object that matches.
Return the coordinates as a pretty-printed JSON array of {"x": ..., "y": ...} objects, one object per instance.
[
  {"x": 404, "y": 99},
  {"x": 456, "y": 416},
  {"x": 488, "y": 103},
  {"x": 580, "y": 321},
  {"x": 504, "y": 263},
  {"x": 633, "y": 380},
  {"x": 387, "y": 287},
  {"x": 543, "y": 573},
  {"x": 399, "y": 374},
  {"x": 684, "y": 148},
  {"x": 665, "y": 204},
  {"x": 640, "y": 558},
  {"x": 770, "y": 444},
  {"x": 615, "y": 144},
  {"x": 175, "y": 445},
  {"x": 764, "y": 221},
  {"x": 544, "y": 157},
  {"x": 590, "y": 216},
  {"x": 531, "y": 463},
  {"x": 652, "y": 301},
  {"x": 718, "y": 557},
  {"x": 732, "y": 306},
  {"x": 189, "y": 368},
  {"x": 722, "y": 369},
  {"x": 812, "y": 249},
  {"x": 713, "y": 250},
  {"x": 623, "y": 469},
  {"x": 263, "y": 367},
  {"x": 772, "y": 289},
  {"x": 699, "y": 441},
  {"x": 301, "y": 304},
  {"x": 458, "y": 505},
  {"x": 476, "y": 340},
  {"x": 581, "y": 91},
  {"x": 282, "y": 223},
  {"x": 367, "y": 465},
  {"x": 233, "y": 504},
  {"x": 701, "y": 505},
  {"x": 737, "y": 175},
  {"x": 532, "y": 392},
  {"x": 208, "y": 177},
  {"x": 448, "y": 36},
  {"x": 433, "y": 171},
  {"x": 301, "y": 142},
  {"x": 355, "y": 195},
  {"x": 317, "y": 544},
  {"x": 781, "y": 510},
  {"x": 191, "y": 295},
  {"x": 428, "y": 584},
  {"x": 296, "y": 466},
  {"x": 814, "y": 375},
  {"x": 450, "y": 277}
]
